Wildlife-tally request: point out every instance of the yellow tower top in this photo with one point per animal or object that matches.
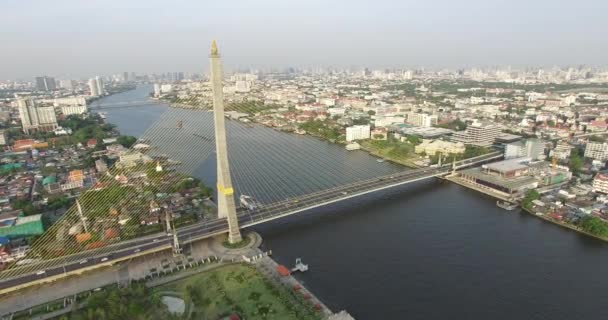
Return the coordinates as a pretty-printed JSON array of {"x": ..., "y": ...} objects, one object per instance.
[{"x": 214, "y": 50}]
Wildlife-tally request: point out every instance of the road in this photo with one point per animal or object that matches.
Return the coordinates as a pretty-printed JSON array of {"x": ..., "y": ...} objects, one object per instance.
[{"x": 247, "y": 218}]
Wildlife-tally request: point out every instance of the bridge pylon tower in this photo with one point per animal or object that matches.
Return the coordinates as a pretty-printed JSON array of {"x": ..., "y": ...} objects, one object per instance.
[{"x": 225, "y": 193}]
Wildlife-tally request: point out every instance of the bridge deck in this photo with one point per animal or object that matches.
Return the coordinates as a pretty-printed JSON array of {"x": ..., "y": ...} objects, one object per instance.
[{"x": 15, "y": 278}]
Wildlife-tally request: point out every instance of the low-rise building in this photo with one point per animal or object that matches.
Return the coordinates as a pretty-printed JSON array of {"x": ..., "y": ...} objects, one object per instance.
[
  {"x": 359, "y": 132},
  {"x": 432, "y": 147}
]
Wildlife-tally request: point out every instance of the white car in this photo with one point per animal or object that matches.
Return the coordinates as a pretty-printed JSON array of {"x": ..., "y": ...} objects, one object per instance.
[
  {"x": 83, "y": 261},
  {"x": 137, "y": 250},
  {"x": 41, "y": 272},
  {"x": 104, "y": 259}
]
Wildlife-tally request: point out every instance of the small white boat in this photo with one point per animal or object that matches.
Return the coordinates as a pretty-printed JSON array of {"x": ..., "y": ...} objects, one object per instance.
[
  {"x": 506, "y": 205},
  {"x": 380, "y": 160}
]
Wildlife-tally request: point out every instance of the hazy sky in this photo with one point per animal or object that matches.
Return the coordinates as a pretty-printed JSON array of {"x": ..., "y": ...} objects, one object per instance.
[{"x": 79, "y": 38}]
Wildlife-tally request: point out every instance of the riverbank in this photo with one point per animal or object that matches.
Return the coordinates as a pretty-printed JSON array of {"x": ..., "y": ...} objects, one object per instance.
[
  {"x": 489, "y": 192},
  {"x": 563, "y": 224},
  {"x": 209, "y": 261},
  {"x": 382, "y": 154}
]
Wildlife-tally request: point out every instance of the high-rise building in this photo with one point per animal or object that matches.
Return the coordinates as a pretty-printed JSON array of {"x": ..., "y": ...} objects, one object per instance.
[
  {"x": 66, "y": 84},
  {"x": 93, "y": 91},
  {"x": 45, "y": 83},
  {"x": 125, "y": 76},
  {"x": 597, "y": 151},
  {"x": 515, "y": 149},
  {"x": 531, "y": 148},
  {"x": 534, "y": 149},
  {"x": 358, "y": 132},
  {"x": 422, "y": 119},
  {"x": 600, "y": 183},
  {"x": 242, "y": 86},
  {"x": 100, "y": 86},
  {"x": 562, "y": 151},
  {"x": 34, "y": 117},
  {"x": 478, "y": 133},
  {"x": 225, "y": 201},
  {"x": 157, "y": 90},
  {"x": 93, "y": 87}
]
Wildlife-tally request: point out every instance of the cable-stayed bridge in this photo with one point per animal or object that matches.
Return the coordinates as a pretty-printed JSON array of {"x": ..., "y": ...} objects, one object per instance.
[{"x": 246, "y": 218}]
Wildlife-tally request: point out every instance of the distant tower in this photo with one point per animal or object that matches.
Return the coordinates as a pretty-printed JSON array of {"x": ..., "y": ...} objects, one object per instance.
[
  {"x": 225, "y": 193},
  {"x": 93, "y": 87},
  {"x": 100, "y": 86}
]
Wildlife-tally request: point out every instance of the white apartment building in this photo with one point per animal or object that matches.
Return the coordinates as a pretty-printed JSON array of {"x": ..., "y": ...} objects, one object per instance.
[
  {"x": 93, "y": 88},
  {"x": 600, "y": 183},
  {"x": 531, "y": 148},
  {"x": 242, "y": 86},
  {"x": 562, "y": 151},
  {"x": 2, "y": 138},
  {"x": 422, "y": 119},
  {"x": 358, "y": 132},
  {"x": 478, "y": 133},
  {"x": 597, "y": 151},
  {"x": 165, "y": 88},
  {"x": 34, "y": 117},
  {"x": 157, "y": 90},
  {"x": 74, "y": 109},
  {"x": 100, "y": 86}
]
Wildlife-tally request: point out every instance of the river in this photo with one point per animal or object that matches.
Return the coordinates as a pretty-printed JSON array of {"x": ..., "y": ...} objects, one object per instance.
[{"x": 428, "y": 250}]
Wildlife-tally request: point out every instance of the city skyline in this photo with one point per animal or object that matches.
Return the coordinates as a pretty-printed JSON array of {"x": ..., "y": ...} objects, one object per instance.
[{"x": 148, "y": 37}]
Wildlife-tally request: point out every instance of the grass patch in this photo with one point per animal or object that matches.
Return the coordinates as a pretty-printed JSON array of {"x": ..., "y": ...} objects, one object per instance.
[
  {"x": 245, "y": 242},
  {"x": 239, "y": 289}
]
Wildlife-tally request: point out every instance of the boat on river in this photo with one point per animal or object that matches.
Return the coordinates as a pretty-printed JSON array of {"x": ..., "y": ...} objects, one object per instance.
[{"x": 506, "y": 205}]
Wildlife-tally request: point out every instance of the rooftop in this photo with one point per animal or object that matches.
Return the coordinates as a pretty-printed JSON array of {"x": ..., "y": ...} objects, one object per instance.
[
  {"x": 512, "y": 183},
  {"x": 507, "y": 165}
]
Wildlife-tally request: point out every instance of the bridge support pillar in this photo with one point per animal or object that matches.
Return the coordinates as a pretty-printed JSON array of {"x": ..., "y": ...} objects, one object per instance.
[{"x": 225, "y": 193}]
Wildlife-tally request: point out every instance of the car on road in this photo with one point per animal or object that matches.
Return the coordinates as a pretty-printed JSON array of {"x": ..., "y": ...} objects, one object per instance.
[
  {"x": 83, "y": 261},
  {"x": 104, "y": 259},
  {"x": 137, "y": 250},
  {"x": 41, "y": 272},
  {"x": 155, "y": 240},
  {"x": 344, "y": 192}
]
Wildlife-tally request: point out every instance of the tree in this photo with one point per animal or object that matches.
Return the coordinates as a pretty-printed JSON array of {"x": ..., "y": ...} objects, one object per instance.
[
  {"x": 415, "y": 140},
  {"x": 126, "y": 141},
  {"x": 531, "y": 195},
  {"x": 594, "y": 225},
  {"x": 371, "y": 112},
  {"x": 55, "y": 203},
  {"x": 575, "y": 162},
  {"x": 26, "y": 206}
]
